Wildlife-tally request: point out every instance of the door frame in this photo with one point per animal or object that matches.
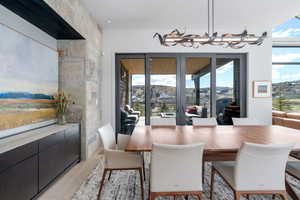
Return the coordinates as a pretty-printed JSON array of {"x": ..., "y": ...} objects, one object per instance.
[{"x": 180, "y": 81}]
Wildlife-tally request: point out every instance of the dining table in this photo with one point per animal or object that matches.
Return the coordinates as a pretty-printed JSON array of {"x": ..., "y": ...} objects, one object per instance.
[{"x": 221, "y": 143}]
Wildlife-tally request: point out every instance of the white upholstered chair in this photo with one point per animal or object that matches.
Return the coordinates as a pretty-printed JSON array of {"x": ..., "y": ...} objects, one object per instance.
[
  {"x": 259, "y": 169},
  {"x": 161, "y": 121},
  {"x": 115, "y": 156},
  {"x": 245, "y": 122},
  {"x": 176, "y": 170},
  {"x": 205, "y": 121}
]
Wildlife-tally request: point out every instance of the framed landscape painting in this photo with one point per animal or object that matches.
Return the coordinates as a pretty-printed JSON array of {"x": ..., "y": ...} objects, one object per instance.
[
  {"x": 28, "y": 81},
  {"x": 262, "y": 89}
]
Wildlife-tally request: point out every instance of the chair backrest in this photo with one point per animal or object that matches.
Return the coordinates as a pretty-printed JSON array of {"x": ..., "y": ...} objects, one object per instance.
[
  {"x": 261, "y": 167},
  {"x": 245, "y": 122},
  {"x": 205, "y": 121},
  {"x": 107, "y": 136},
  {"x": 127, "y": 108},
  {"x": 160, "y": 121},
  {"x": 176, "y": 168}
]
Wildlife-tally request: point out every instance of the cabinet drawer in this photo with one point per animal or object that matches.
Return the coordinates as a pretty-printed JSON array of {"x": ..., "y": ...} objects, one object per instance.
[
  {"x": 14, "y": 156},
  {"x": 51, "y": 164},
  {"x": 72, "y": 145},
  {"x": 51, "y": 140},
  {"x": 20, "y": 181}
]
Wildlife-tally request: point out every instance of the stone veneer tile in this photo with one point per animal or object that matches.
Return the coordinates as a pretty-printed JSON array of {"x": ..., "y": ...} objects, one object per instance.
[{"x": 82, "y": 80}]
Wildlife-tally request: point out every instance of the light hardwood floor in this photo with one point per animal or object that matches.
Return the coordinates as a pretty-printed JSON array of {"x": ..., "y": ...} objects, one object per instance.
[{"x": 69, "y": 183}]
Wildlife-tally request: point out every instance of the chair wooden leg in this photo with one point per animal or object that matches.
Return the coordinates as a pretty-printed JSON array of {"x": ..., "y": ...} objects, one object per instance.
[
  {"x": 213, "y": 172},
  {"x": 149, "y": 191},
  {"x": 247, "y": 196},
  {"x": 102, "y": 183},
  {"x": 142, "y": 183},
  {"x": 109, "y": 174},
  {"x": 273, "y": 196},
  {"x": 152, "y": 196},
  {"x": 199, "y": 196},
  {"x": 203, "y": 170},
  {"x": 284, "y": 196},
  {"x": 144, "y": 173},
  {"x": 237, "y": 195}
]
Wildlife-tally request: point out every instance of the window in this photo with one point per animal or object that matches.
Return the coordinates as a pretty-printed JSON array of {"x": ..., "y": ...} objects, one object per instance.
[
  {"x": 286, "y": 66},
  {"x": 286, "y": 79},
  {"x": 174, "y": 86}
]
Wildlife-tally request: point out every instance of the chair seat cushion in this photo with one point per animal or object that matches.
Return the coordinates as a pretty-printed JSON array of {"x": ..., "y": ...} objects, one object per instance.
[
  {"x": 293, "y": 168},
  {"x": 226, "y": 169}
]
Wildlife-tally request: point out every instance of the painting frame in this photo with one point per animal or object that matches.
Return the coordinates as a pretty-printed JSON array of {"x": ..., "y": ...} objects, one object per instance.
[{"x": 262, "y": 89}]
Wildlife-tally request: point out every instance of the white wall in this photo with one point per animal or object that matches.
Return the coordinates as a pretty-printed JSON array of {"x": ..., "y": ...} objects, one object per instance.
[
  {"x": 140, "y": 41},
  {"x": 13, "y": 21}
]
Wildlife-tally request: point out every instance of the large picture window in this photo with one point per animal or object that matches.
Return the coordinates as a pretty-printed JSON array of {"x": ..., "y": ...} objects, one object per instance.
[
  {"x": 174, "y": 88},
  {"x": 286, "y": 79}
]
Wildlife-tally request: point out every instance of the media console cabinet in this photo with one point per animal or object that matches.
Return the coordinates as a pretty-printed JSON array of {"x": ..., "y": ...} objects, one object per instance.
[{"x": 30, "y": 161}]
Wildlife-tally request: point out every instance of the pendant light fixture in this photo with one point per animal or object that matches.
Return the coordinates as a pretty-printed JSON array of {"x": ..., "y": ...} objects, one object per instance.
[{"x": 235, "y": 41}]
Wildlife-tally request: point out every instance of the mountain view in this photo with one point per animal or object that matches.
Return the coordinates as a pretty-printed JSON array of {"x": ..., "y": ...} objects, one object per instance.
[{"x": 286, "y": 96}]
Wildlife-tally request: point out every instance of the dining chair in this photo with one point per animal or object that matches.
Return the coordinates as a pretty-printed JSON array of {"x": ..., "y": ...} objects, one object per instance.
[
  {"x": 176, "y": 170},
  {"x": 259, "y": 169},
  {"x": 205, "y": 121},
  {"x": 245, "y": 122},
  {"x": 115, "y": 158},
  {"x": 161, "y": 121}
]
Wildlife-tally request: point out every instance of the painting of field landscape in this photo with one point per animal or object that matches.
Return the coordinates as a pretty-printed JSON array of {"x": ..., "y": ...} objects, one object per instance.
[{"x": 28, "y": 80}]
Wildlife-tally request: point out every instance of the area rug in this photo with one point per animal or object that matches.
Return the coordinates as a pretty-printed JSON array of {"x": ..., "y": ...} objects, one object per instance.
[{"x": 125, "y": 185}]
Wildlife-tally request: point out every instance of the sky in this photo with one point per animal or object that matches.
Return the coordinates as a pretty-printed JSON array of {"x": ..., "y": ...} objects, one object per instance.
[
  {"x": 289, "y": 29},
  {"x": 283, "y": 73},
  {"x": 224, "y": 78},
  {"x": 26, "y": 66}
]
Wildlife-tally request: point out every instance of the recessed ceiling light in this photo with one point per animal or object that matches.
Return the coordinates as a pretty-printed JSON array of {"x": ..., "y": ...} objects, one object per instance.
[{"x": 108, "y": 21}]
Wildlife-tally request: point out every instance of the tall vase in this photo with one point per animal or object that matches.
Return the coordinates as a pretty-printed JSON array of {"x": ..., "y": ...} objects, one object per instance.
[{"x": 61, "y": 119}]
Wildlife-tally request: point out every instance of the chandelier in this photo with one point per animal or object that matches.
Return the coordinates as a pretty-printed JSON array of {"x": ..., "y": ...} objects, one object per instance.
[{"x": 235, "y": 41}]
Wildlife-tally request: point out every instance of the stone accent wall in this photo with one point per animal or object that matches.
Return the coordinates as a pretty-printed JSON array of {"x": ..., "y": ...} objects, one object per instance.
[{"x": 80, "y": 70}]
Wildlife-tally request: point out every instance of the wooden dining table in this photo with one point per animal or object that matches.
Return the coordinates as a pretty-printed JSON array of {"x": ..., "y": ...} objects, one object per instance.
[{"x": 221, "y": 142}]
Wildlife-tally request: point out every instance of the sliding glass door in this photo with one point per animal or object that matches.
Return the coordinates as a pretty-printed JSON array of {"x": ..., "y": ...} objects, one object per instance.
[
  {"x": 163, "y": 87},
  {"x": 230, "y": 88},
  {"x": 196, "y": 88},
  {"x": 130, "y": 92},
  {"x": 181, "y": 86}
]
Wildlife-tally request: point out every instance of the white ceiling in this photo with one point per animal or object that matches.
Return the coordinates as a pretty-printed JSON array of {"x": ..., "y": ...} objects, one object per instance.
[{"x": 192, "y": 14}]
